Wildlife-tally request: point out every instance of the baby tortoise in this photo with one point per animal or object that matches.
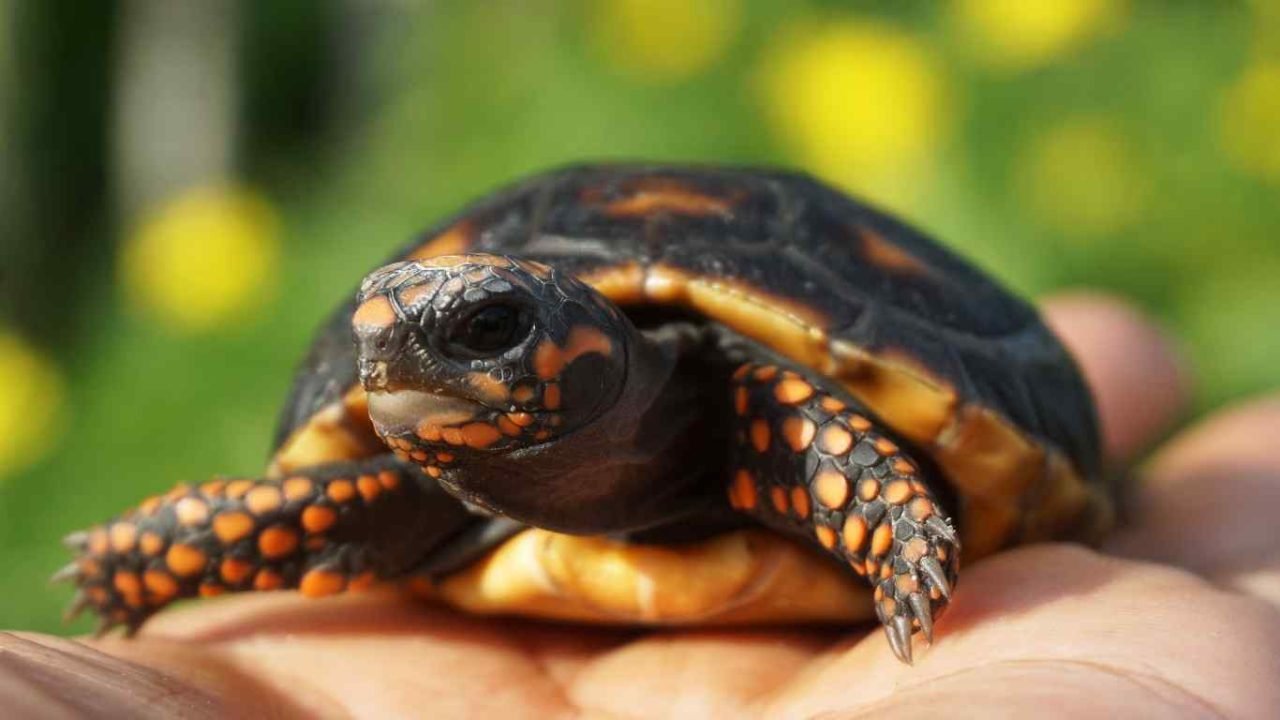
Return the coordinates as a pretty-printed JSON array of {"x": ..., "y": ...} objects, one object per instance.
[{"x": 619, "y": 393}]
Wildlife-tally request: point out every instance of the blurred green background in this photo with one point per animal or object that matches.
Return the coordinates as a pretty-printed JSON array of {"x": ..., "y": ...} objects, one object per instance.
[{"x": 186, "y": 188}]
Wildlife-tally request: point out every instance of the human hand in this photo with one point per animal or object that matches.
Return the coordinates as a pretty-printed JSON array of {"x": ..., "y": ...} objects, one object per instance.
[{"x": 1176, "y": 617}]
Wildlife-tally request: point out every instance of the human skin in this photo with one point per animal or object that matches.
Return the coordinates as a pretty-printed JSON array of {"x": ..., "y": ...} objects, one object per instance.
[{"x": 1178, "y": 615}]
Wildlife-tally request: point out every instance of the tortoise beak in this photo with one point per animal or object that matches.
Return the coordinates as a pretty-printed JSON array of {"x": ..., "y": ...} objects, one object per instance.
[
  {"x": 403, "y": 411},
  {"x": 373, "y": 375}
]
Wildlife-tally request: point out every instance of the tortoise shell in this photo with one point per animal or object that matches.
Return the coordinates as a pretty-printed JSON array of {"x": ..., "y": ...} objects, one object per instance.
[{"x": 948, "y": 359}]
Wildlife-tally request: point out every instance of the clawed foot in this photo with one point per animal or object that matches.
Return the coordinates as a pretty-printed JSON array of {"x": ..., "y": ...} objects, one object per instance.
[{"x": 916, "y": 580}]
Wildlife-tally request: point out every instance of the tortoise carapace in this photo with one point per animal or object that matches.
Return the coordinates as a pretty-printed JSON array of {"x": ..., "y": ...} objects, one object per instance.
[{"x": 646, "y": 394}]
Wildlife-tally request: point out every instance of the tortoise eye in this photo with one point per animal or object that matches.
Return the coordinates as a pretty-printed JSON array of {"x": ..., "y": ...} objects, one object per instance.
[{"x": 489, "y": 331}]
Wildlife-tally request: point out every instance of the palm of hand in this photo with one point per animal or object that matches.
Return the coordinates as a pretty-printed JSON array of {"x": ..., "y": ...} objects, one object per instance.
[{"x": 1178, "y": 620}]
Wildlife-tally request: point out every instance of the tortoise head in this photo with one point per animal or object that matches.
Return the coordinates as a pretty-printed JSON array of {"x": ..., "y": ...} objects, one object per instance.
[{"x": 483, "y": 354}]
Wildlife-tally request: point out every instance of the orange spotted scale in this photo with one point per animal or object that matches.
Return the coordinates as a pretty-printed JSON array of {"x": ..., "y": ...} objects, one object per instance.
[{"x": 549, "y": 405}]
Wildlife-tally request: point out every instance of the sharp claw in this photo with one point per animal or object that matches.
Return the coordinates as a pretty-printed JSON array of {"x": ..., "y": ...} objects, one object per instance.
[
  {"x": 920, "y": 606},
  {"x": 77, "y": 540},
  {"x": 898, "y": 629},
  {"x": 942, "y": 529},
  {"x": 933, "y": 570},
  {"x": 69, "y": 572},
  {"x": 104, "y": 626},
  {"x": 75, "y": 607}
]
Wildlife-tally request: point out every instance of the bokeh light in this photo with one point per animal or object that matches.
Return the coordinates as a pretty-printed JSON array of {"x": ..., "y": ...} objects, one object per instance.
[
  {"x": 1081, "y": 177},
  {"x": 1249, "y": 121},
  {"x": 662, "y": 41},
  {"x": 861, "y": 104},
  {"x": 31, "y": 403},
  {"x": 1024, "y": 34},
  {"x": 203, "y": 258}
]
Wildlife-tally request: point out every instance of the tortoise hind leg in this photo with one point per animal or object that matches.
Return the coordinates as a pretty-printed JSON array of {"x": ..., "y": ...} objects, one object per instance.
[
  {"x": 323, "y": 530},
  {"x": 809, "y": 464}
]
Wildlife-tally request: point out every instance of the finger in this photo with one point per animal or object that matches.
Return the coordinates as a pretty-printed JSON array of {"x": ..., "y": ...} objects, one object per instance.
[
  {"x": 1063, "y": 628},
  {"x": 1136, "y": 375},
  {"x": 1210, "y": 502}
]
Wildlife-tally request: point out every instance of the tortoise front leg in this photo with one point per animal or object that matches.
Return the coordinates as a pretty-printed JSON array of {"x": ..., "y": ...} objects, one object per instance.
[
  {"x": 322, "y": 530},
  {"x": 810, "y": 464}
]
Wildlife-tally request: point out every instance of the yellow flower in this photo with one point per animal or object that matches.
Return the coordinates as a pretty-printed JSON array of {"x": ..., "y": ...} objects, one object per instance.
[
  {"x": 664, "y": 40},
  {"x": 203, "y": 258},
  {"x": 1081, "y": 178},
  {"x": 1249, "y": 120},
  {"x": 31, "y": 398},
  {"x": 860, "y": 104},
  {"x": 1023, "y": 34}
]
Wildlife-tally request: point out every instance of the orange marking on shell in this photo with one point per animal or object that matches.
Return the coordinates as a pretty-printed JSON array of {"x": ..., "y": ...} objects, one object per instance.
[
  {"x": 522, "y": 394},
  {"x": 268, "y": 579},
  {"x": 920, "y": 509},
  {"x": 831, "y": 405},
  {"x": 868, "y": 489},
  {"x": 832, "y": 489},
  {"x": 622, "y": 284},
  {"x": 897, "y": 492},
  {"x": 277, "y": 542},
  {"x": 234, "y": 571},
  {"x": 480, "y": 435},
  {"x": 881, "y": 540},
  {"x": 433, "y": 471},
  {"x": 185, "y": 560},
  {"x": 859, "y": 423},
  {"x": 507, "y": 427},
  {"x": 548, "y": 359},
  {"x": 453, "y": 241},
  {"x": 826, "y": 536},
  {"x": 551, "y": 397},
  {"x": 123, "y": 536},
  {"x": 885, "y": 446},
  {"x": 390, "y": 479},
  {"x": 263, "y": 499},
  {"x": 340, "y": 491},
  {"x": 765, "y": 373},
  {"x": 451, "y": 435},
  {"x": 798, "y": 432},
  {"x": 881, "y": 253},
  {"x": 298, "y": 488},
  {"x": 231, "y": 526},
  {"x": 160, "y": 585},
  {"x": 319, "y": 583},
  {"x": 759, "y": 435},
  {"x": 151, "y": 543},
  {"x": 742, "y": 494},
  {"x": 800, "y": 502},
  {"x": 792, "y": 391},
  {"x": 376, "y": 312},
  {"x": 191, "y": 511},
  {"x": 318, "y": 518},
  {"x": 368, "y": 487},
  {"x": 854, "y": 533},
  {"x": 741, "y": 400},
  {"x": 213, "y": 488},
  {"x": 834, "y": 440},
  {"x": 236, "y": 489},
  {"x": 778, "y": 496},
  {"x": 662, "y": 195}
]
